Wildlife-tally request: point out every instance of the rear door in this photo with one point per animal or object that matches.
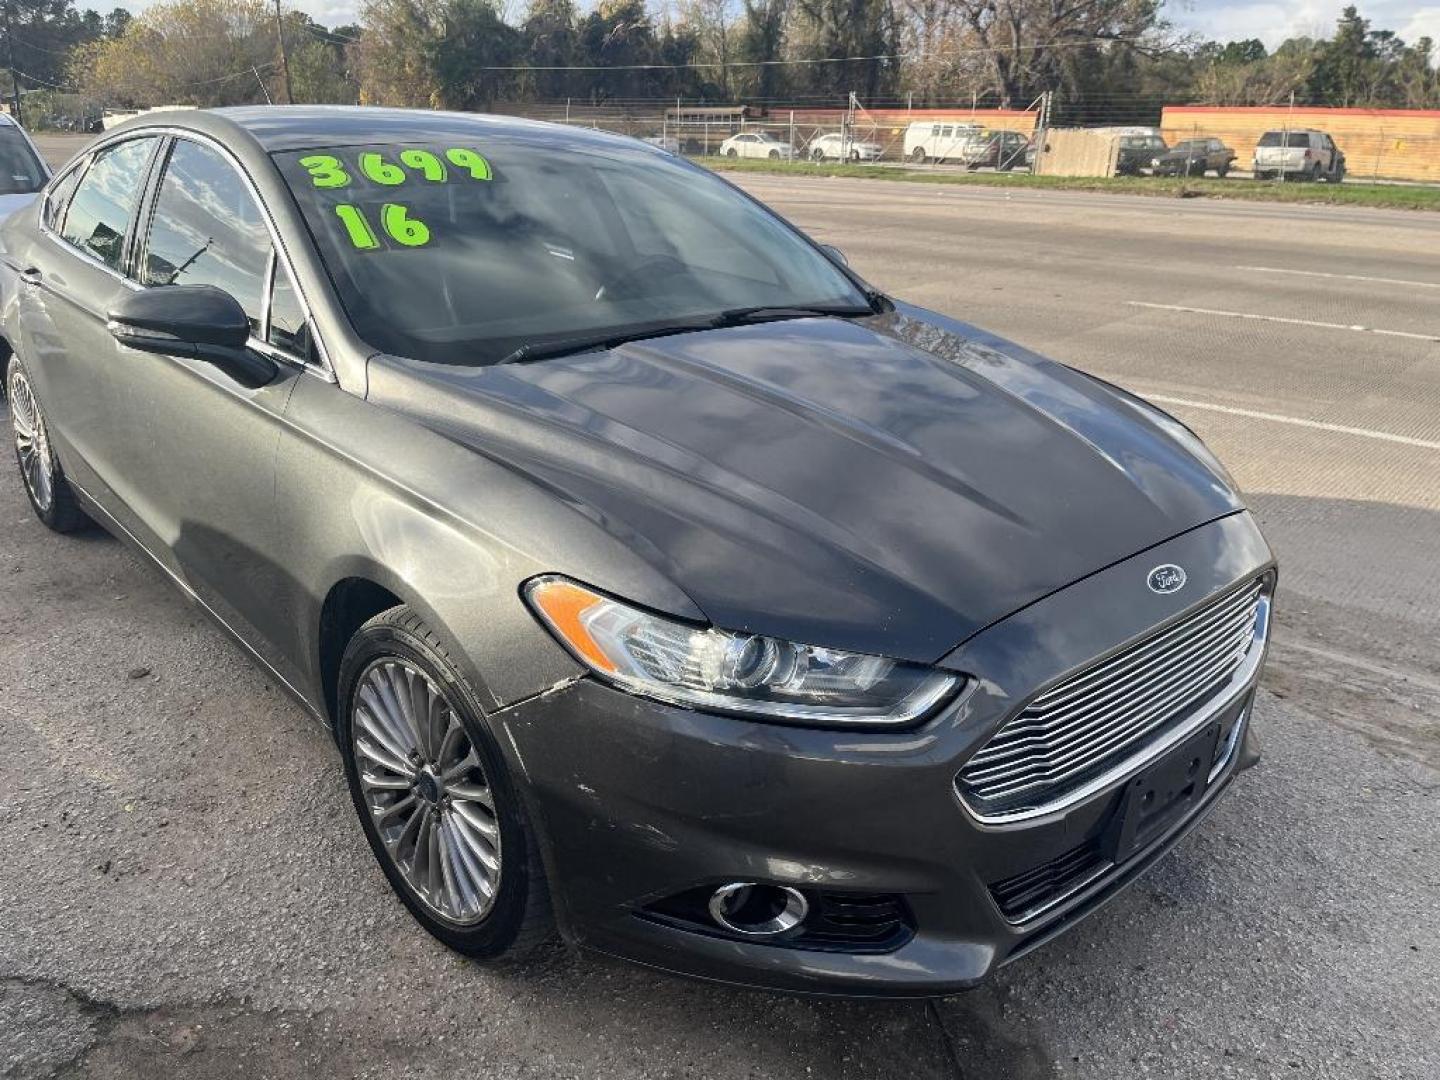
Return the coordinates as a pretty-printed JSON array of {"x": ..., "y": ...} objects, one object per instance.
[{"x": 73, "y": 271}]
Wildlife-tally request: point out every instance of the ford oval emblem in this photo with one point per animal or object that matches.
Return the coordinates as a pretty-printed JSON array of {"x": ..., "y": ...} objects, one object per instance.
[{"x": 1166, "y": 579}]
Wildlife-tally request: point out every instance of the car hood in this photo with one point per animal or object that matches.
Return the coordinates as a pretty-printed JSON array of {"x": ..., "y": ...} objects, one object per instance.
[{"x": 891, "y": 484}]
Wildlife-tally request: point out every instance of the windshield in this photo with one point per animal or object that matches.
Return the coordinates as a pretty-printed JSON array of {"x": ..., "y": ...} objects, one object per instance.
[
  {"x": 20, "y": 170},
  {"x": 464, "y": 252}
]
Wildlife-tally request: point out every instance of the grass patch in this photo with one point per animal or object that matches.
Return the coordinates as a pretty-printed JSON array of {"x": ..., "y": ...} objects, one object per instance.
[{"x": 1391, "y": 196}]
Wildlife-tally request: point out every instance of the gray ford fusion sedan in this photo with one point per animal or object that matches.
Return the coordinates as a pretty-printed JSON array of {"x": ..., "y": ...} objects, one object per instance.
[{"x": 660, "y": 580}]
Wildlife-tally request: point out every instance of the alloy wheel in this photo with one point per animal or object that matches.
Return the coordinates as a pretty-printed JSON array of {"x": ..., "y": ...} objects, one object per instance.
[
  {"x": 429, "y": 799},
  {"x": 32, "y": 447}
]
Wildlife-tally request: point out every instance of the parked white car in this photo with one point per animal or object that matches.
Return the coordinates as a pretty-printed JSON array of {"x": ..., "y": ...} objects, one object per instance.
[
  {"x": 23, "y": 171},
  {"x": 1298, "y": 155},
  {"x": 926, "y": 141},
  {"x": 756, "y": 144},
  {"x": 836, "y": 146}
]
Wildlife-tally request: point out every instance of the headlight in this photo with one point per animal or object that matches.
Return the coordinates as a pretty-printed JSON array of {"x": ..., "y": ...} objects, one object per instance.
[
  {"x": 1154, "y": 162},
  {"x": 722, "y": 671}
]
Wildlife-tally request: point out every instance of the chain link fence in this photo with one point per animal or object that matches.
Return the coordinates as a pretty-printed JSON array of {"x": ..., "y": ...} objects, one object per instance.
[{"x": 1189, "y": 140}]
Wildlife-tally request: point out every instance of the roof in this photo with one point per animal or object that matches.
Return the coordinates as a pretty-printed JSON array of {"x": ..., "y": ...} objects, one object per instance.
[
  {"x": 294, "y": 127},
  {"x": 297, "y": 127}
]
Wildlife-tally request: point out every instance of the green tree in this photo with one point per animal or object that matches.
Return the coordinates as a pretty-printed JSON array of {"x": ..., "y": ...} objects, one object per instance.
[
  {"x": 762, "y": 43},
  {"x": 1345, "y": 68}
]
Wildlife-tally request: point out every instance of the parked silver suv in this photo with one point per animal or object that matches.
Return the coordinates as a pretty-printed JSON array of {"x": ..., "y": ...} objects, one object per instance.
[{"x": 1304, "y": 155}]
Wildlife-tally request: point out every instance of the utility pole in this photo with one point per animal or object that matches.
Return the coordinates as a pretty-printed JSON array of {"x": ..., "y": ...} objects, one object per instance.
[
  {"x": 10, "y": 49},
  {"x": 284, "y": 59}
]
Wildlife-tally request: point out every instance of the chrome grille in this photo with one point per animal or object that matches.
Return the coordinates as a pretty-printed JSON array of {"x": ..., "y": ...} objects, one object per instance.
[{"x": 1111, "y": 710}]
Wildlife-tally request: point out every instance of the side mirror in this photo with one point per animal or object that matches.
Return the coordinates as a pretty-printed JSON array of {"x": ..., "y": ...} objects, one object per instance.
[
  {"x": 835, "y": 254},
  {"x": 191, "y": 320}
]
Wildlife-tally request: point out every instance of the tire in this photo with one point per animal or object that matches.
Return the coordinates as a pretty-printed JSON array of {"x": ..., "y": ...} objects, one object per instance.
[
  {"x": 1223, "y": 171},
  {"x": 774, "y": 155},
  {"x": 918, "y": 155},
  {"x": 395, "y": 649},
  {"x": 1196, "y": 168},
  {"x": 817, "y": 154},
  {"x": 50, "y": 494},
  {"x": 855, "y": 156},
  {"x": 732, "y": 152}
]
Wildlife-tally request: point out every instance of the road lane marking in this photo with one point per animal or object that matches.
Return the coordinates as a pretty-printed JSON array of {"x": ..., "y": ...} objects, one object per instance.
[
  {"x": 1298, "y": 421},
  {"x": 1342, "y": 277},
  {"x": 1283, "y": 319},
  {"x": 1392, "y": 673}
]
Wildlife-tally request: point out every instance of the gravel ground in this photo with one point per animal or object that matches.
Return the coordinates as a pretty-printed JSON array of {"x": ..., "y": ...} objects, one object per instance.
[{"x": 185, "y": 893}]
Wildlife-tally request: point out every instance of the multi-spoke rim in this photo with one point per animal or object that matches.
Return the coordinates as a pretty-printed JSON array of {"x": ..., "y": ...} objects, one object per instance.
[
  {"x": 428, "y": 796},
  {"x": 31, "y": 445}
]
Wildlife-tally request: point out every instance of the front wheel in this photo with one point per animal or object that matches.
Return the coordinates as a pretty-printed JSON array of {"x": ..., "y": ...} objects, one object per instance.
[
  {"x": 1223, "y": 171},
  {"x": 918, "y": 156},
  {"x": 433, "y": 795},
  {"x": 732, "y": 152},
  {"x": 774, "y": 155},
  {"x": 817, "y": 154},
  {"x": 50, "y": 494}
]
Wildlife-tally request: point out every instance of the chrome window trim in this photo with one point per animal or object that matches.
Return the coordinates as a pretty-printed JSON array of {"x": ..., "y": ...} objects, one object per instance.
[
  {"x": 267, "y": 292},
  {"x": 1241, "y": 681},
  {"x": 325, "y": 370},
  {"x": 47, "y": 193}
]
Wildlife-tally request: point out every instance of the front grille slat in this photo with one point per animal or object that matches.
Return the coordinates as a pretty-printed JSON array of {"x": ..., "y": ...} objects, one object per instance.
[
  {"x": 1057, "y": 771},
  {"x": 1116, "y": 665},
  {"x": 1111, "y": 710},
  {"x": 1175, "y": 689},
  {"x": 1069, "y": 722}
]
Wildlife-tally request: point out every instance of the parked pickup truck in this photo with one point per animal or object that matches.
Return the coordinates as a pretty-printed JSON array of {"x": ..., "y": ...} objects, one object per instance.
[{"x": 1300, "y": 155}]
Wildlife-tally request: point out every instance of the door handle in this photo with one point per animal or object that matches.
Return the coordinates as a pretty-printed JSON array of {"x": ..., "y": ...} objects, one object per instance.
[{"x": 31, "y": 276}]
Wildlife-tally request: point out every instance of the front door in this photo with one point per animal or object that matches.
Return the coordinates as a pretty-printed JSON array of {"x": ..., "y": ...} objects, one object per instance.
[{"x": 210, "y": 443}]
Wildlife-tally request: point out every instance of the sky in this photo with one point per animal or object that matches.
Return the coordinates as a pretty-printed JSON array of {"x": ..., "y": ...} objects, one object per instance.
[
  {"x": 1273, "y": 22},
  {"x": 1225, "y": 20}
]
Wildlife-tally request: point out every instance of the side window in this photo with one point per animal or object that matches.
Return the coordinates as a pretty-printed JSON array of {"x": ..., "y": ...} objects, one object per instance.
[
  {"x": 288, "y": 328},
  {"x": 59, "y": 195},
  {"x": 207, "y": 230},
  {"x": 935, "y": 129},
  {"x": 99, "y": 214}
]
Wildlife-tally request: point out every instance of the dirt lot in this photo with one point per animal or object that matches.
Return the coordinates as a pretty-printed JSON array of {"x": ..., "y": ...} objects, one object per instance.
[{"x": 185, "y": 893}]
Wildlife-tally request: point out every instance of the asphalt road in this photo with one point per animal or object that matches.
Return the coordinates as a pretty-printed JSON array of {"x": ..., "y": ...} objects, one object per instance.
[{"x": 184, "y": 892}]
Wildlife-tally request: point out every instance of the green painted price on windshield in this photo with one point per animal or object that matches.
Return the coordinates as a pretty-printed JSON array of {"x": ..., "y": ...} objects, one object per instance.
[
  {"x": 395, "y": 221},
  {"x": 328, "y": 171}
]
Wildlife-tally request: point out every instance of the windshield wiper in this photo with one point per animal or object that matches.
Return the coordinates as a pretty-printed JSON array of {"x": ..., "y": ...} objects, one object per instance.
[
  {"x": 546, "y": 350},
  {"x": 768, "y": 312}
]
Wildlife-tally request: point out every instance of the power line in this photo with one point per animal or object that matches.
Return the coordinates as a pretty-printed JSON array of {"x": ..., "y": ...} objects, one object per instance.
[{"x": 709, "y": 64}]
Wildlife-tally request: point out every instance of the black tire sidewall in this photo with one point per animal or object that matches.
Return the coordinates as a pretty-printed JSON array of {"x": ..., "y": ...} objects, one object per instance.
[
  {"x": 389, "y": 636},
  {"x": 63, "y": 515}
]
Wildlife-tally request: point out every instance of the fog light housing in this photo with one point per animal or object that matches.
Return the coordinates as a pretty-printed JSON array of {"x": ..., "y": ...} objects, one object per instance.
[{"x": 744, "y": 907}]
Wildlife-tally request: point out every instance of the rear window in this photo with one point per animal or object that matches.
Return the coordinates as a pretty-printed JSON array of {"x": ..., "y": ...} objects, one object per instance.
[{"x": 1298, "y": 139}]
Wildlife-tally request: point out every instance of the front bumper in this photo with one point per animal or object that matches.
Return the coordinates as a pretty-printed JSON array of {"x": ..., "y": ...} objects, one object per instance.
[{"x": 637, "y": 801}]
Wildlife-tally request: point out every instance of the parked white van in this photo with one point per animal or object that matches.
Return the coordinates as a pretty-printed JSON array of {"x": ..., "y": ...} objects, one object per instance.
[{"x": 938, "y": 140}]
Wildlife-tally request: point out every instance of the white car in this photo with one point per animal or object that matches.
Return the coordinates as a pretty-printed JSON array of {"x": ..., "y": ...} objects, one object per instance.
[
  {"x": 756, "y": 144},
  {"x": 837, "y": 147},
  {"x": 23, "y": 171}
]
